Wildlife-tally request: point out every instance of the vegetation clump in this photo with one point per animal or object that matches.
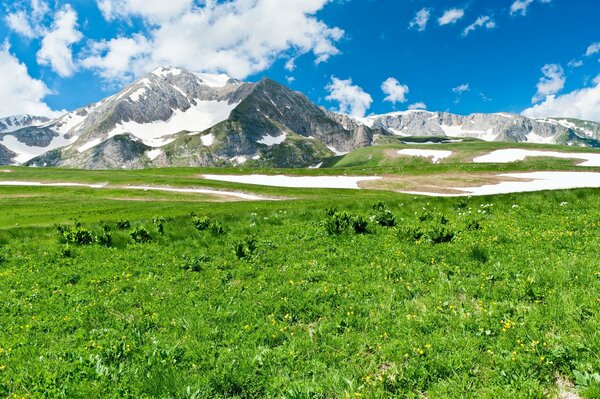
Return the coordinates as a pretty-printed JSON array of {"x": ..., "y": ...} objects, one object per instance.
[
  {"x": 75, "y": 234},
  {"x": 140, "y": 235}
]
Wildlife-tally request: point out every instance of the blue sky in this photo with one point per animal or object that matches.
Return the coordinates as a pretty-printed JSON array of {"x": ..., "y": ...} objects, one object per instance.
[{"x": 339, "y": 53}]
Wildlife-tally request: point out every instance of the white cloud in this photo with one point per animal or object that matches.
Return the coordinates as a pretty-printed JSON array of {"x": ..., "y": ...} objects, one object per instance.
[
  {"x": 451, "y": 16},
  {"x": 152, "y": 10},
  {"x": 352, "y": 99},
  {"x": 421, "y": 19},
  {"x": 56, "y": 44},
  {"x": 419, "y": 105},
  {"x": 483, "y": 21},
  {"x": 238, "y": 37},
  {"x": 27, "y": 21},
  {"x": 461, "y": 89},
  {"x": 575, "y": 63},
  {"x": 593, "y": 49},
  {"x": 580, "y": 104},
  {"x": 112, "y": 59},
  {"x": 396, "y": 92},
  {"x": 551, "y": 83},
  {"x": 520, "y": 7},
  {"x": 19, "y": 92}
]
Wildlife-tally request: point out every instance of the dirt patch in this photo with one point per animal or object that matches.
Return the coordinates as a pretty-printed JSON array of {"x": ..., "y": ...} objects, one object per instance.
[
  {"x": 442, "y": 183},
  {"x": 566, "y": 389}
]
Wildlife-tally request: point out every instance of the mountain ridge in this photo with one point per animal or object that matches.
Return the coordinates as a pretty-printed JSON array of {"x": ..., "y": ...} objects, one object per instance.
[{"x": 173, "y": 117}]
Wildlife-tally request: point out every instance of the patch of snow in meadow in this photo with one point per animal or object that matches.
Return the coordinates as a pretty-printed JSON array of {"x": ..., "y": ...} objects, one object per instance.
[
  {"x": 347, "y": 182},
  {"x": 513, "y": 155}
]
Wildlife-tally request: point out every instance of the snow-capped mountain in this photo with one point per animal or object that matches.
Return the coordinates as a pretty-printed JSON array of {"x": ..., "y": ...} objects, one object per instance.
[
  {"x": 173, "y": 117},
  {"x": 17, "y": 122},
  {"x": 487, "y": 127}
]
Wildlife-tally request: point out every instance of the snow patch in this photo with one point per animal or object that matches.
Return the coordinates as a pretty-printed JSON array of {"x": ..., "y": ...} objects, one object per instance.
[
  {"x": 208, "y": 139},
  {"x": 153, "y": 154},
  {"x": 269, "y": 140},
  {"x": 89, "y": 145},
  {"x": 26, "y": 153},
  {"x": 199, "y": 117},
  {"x": 136, "y": 95},
  {"x": 144, "y": 188},
  {"x": 316, "y": 166},
  {"x": 514, "y": 155},
  {"x": 213, "y": 80},
  {"x": 435, "y": 155},
  {"x": 163, "y": 72},
  {"x": 345, "y": 182},
  {"x": 536, "y": 138},
  {"x": 336, "y": 152},
  {"x": 239, "y": 160}
]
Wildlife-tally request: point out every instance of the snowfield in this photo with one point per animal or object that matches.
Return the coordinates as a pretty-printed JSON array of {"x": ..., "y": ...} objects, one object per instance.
[
  {"x": 513, "y": 155},
  {"x": 348, "y": 182},
  {"x": 232, "y": 194},
  {"x": 435, "y": 155}
]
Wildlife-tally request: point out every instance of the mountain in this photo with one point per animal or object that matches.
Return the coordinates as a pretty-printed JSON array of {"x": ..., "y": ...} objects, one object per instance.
[
  {"x": 173, "y": 117},
  {"x": 487, "y": 127}
]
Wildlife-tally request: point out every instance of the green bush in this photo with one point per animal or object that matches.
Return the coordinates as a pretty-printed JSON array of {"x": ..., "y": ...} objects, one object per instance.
[
  {"x": 216, "y": 228},
  {"x": 385, "y": 218},
  {"x": 123, "y": 224},
  {"x": 336, "y": 224},
  {"x": 140, "y": 235},
  {"x": 196, "y": 263},
  {"x": 159, "y": 222},
  {"x": 360, "y": 224},
  {"x": 201, "y": 223},
  {"x": 75, "y": 234},
  {"x": 246, "y": 248}
]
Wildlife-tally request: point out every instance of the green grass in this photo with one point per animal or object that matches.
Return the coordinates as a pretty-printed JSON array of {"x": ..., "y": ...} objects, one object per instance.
[{"x": 497, "y": 312}]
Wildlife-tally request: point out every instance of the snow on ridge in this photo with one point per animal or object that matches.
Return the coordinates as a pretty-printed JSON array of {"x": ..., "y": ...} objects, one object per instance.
[
  {"x": 136, "y": 95},
  {"x": 153, "y": 154},
  {"x": 270, "y": 141},
  {"x": 214, "y": 80},
  {"x": 203, "y": 115},
  {"x": 89, "y": 145},
  {"x": 163, "y": 72}
]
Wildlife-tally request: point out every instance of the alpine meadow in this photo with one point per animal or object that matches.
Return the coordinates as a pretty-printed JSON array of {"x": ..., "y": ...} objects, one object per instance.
[{"x": 302, "y": 199}]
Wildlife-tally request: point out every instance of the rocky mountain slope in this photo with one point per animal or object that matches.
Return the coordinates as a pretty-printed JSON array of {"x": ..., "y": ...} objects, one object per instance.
[
  {"x": 173, "y": 117},
  {"x": 487, "y": 127}
]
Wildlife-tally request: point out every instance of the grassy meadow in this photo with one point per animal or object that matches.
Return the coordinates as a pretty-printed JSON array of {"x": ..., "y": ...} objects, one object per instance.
[{"x": 324, "y": 294}]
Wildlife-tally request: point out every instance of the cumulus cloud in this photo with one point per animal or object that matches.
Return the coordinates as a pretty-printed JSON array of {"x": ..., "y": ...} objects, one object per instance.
[
  {"x": 580, "y": 104},
  {"x": 235, "y": 37},
  {"x": 152, "y": 10},
  {"x": 483, "y": 21},
  {"x": 420, "y": 20},
  {"x": 551, "y": 83},
  {"x": 593, "y": 49},
  {"x": 27, "y": 19},
  {"x": 575, "y": 63},
  {"x": 352, "y": 99},
  {"x": 56, "y": 45},
  {"x": 19, "y": 92},
  {"x": 396, "y": 92},
  {"x": 451, "y": 16},
  {"x": 112, "y": 59},
  {"x": 419, "y": 105}
]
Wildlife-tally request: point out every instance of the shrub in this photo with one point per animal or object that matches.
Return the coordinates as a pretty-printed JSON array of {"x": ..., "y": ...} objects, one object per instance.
[
  {"x": 360, "y": 224},
  {"x": 123, "y": 224},
  {"x": 216, "y": 228},
  {"x": 75, "y": 234},
  {"x": 337, "y": 223},
  {"x": 385, "y": 218},
  {"x": 201, "y": 223},
  {"x": 196, "y": 263},
  {"x": 246, "y": 248},
  {"x": 140, "y": 235},
  {"x": 379, "y": 206},
  {"x": 104, "y": 238},
  {"x": 159, "y": 222}
]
